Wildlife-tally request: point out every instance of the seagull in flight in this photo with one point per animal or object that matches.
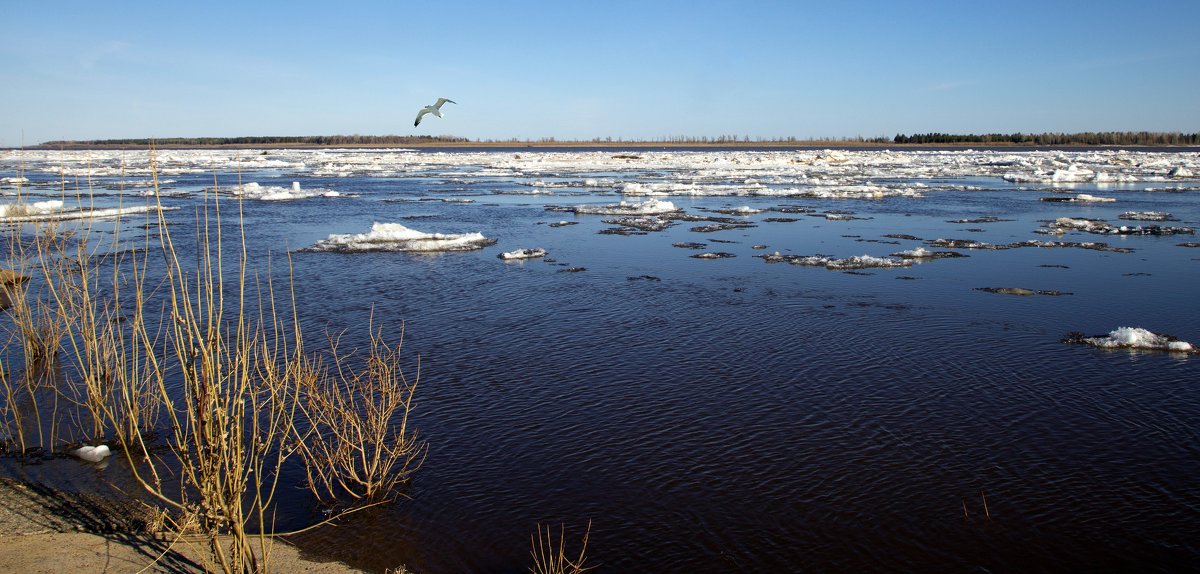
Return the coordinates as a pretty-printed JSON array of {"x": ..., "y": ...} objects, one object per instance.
[{"x": 435, "y": 109}]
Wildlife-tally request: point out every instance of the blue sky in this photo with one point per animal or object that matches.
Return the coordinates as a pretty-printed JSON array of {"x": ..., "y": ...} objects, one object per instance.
[{"x": 646, "y": 69}]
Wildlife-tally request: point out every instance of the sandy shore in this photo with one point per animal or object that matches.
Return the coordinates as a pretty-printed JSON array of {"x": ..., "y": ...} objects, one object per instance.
[{"x": 43, "y": 530}]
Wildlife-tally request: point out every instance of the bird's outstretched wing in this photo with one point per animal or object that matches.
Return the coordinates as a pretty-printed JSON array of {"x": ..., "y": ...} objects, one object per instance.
[
  {"x": 420, "y": 115},
  {"x": 442, "y": 101}
]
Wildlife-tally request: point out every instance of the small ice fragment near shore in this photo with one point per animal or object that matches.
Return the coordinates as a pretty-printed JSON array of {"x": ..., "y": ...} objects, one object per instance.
[
  {"x": 523, "y": 254},
  {"x": 1180, "y": 171},
  {"x": 92, "y": 453},
  {"x": 1086, "y": 198},
  {"x": 1132, "y": 338}
]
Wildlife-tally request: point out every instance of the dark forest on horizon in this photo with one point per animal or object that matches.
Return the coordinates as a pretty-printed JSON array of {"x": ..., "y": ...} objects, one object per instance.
[{"x": 1142, "y": 138}]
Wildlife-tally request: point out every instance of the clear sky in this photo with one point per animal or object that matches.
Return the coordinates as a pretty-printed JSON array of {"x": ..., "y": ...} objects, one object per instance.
[{"x": 585, "y": 69}]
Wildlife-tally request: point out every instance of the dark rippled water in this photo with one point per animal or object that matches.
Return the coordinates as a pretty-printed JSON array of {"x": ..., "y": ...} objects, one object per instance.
[{"x": 735, "y": 415}]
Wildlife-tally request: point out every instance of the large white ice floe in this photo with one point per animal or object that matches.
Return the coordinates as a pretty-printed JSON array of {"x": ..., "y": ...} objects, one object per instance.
[
  {"x": 92, "y": 453},
  {"x": 254, "y": 190},
  {"x": 1132, "y": 338},
  {"x": 396, "y": 237}
]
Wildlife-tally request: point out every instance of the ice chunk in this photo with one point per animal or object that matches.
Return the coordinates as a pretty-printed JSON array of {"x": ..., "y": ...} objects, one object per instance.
[
  {"x": 1132, "y": 338},
  {"x": 396, "y": 237},
  {"x": 37, "y": 208},
  {"x": 255, "y": 190},
  {"x": 523, "y": 253},
  {"x": 651, "y": 206},
  {"x": 1147, "y": 216},
  {"x": 849, "y": 263},
  {"x": 53, "y": 210},
  {"x": 92, "y": 453},
  {"x": 1180, "y": 171}
]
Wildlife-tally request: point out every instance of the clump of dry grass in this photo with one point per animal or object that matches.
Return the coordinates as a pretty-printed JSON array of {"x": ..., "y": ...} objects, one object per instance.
[{"x": 357, "y": 442}]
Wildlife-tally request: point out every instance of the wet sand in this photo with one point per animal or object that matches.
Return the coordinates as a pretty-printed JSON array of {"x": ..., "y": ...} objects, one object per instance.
[{"x": 44, "y": 530}]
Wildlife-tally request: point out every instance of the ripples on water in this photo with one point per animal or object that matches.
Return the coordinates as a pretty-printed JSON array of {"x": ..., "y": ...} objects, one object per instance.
[{"x": 735, "y": 415}]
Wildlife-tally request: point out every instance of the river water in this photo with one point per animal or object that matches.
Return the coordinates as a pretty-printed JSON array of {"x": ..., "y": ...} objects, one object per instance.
[{"x": 740, "y": 412}]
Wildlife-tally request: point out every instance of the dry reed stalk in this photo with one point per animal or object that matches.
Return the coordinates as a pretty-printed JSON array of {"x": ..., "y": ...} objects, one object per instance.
[{"x": 550, "y": 556}]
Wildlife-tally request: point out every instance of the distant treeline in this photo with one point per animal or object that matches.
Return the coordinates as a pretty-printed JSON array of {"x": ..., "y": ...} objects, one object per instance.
[
  {"x": 266, "y": 140},
  {"x": 1085, "y": 138}
]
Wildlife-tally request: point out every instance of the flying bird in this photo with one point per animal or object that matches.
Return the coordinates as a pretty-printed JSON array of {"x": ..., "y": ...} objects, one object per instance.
[{"x": 435, "y": 109}]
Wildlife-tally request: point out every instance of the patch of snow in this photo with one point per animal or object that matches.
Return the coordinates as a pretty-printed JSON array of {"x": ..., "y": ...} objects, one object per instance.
[{"x": 92, "y": 453}]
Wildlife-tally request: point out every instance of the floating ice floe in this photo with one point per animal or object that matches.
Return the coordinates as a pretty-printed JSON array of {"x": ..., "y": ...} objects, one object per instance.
[
  {"x": 1080, "y": 198},
  {"x": 1020, "y": 291},
  {"x": 92, "y": 453},
  {"x": 37, "y": 208},
  {"x": 984, "y": 219},
  {"x": 1180, "y": 171},
  {"x": 743, "y": 210},
  {"x": 53, "y": 210},
  {"x": 922, "y": 253},
  {"x": 855, "y": 262},
  {"x": 1132, "y": 338},
  {"x": 1064, "y": 224},
  {"x": 396, "y": 237},
  {"x": 962, "y": 244},
  {"x": 638, "y": 225},
  {"x": 523, "y": 253},
  {"x": 254, "y": 190},
  {"x": 1147, "y": 216},
  {"x": 651, "y": 206}
]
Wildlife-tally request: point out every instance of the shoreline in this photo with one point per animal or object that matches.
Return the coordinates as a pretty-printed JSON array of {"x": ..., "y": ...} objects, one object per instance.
[{"x": 43, "y": 529}]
